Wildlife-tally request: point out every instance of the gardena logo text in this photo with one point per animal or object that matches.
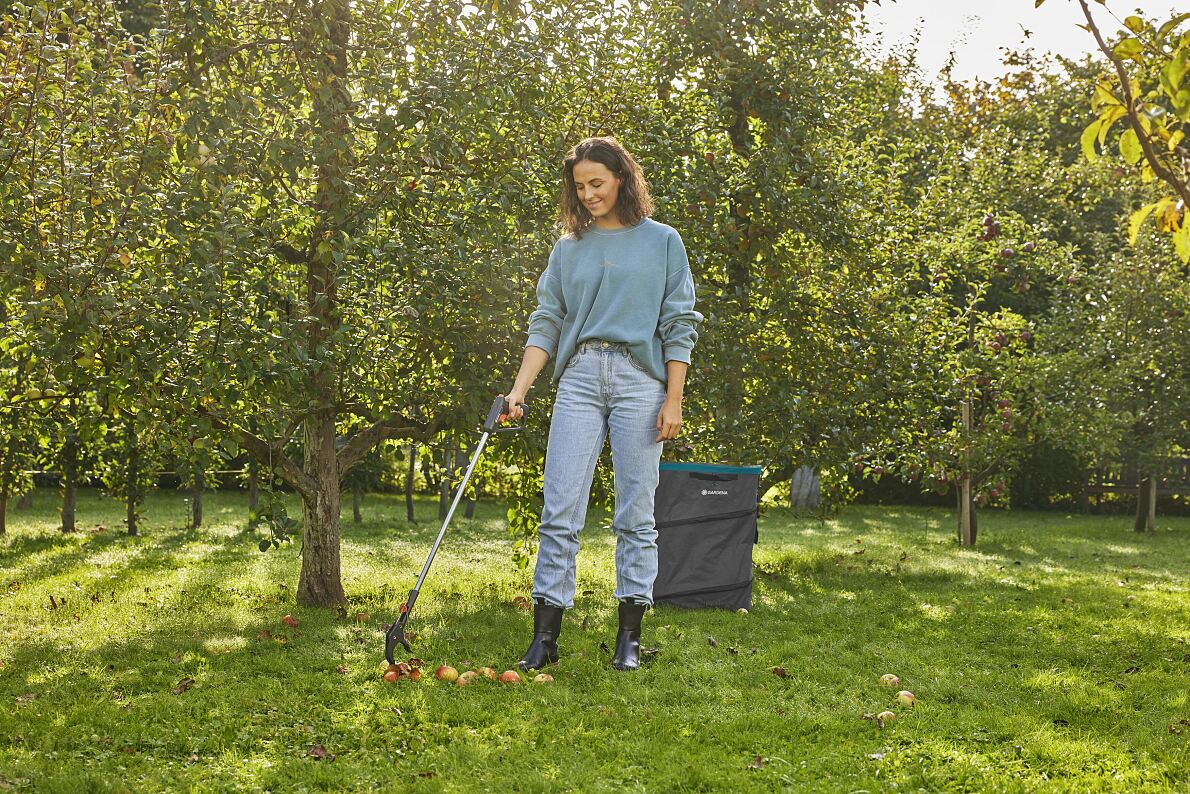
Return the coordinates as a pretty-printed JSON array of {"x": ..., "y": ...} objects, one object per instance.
[{"x": 705, "y": 492}]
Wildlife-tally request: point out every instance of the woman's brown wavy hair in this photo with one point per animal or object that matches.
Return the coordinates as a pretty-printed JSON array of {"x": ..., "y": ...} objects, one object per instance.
[{"x": 633, "y": 202}]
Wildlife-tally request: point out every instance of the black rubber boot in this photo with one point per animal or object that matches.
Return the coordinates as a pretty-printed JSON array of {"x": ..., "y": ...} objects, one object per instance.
[
  {"x": 547, "y": 623},
  {"x": 628, "y": 637}
]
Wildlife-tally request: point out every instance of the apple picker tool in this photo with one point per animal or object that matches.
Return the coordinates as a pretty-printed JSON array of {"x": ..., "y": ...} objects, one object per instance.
[{"x": 396, "y": 632}]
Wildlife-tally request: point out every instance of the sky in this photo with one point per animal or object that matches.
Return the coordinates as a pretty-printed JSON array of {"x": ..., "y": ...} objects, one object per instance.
[{"x": 976, "y": 29}]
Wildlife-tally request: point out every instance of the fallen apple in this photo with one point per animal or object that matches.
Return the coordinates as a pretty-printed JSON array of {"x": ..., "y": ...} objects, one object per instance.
[
  {"x": 466, "y": 678},
  {"x": 742, "y": 611},
  {"x": 886, "y": 716},
  {"x": 402, "y": 668},
  {"x": 415, "y": 674},
  {"x": 488, "y": 672},
  {"x": 889, "y": 680},
  {"x": 509, "y": 677},
  {"x": 905, "y": 698},
  {"x": 543, "y": 678},
  {"x": 391, "y": 676},
  {"x": 447, "y": 673},
  {"x": 291, "y": 621}
]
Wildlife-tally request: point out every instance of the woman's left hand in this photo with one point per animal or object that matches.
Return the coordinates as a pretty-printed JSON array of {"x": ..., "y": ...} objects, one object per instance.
[{"x": 669, "y": 420}]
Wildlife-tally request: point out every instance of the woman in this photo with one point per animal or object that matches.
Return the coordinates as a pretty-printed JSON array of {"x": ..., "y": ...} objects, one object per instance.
[{"x": 615, "y": 308}]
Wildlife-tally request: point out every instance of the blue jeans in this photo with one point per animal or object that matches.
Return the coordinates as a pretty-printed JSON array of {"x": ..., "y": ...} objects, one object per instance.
[{"x": 602, "y": 391}]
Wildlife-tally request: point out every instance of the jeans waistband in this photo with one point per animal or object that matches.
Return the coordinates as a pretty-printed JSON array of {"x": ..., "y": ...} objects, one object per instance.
[{"x": 601, "y": 344}]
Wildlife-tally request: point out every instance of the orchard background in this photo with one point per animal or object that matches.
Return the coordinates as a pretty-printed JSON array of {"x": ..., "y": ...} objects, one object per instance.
[{"x": 277, "y": 255}]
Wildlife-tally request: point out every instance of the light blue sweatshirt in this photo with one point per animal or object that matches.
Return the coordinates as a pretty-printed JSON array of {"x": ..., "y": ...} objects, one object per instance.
[{"x": 628, "y": 285}]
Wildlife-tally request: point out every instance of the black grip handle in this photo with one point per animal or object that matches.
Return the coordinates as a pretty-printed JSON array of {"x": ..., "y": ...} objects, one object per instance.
[{"x": 500, "y": 408}]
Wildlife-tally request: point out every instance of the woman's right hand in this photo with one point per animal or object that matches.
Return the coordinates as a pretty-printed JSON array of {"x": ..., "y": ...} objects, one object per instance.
[{"x": 515, "y": 412}]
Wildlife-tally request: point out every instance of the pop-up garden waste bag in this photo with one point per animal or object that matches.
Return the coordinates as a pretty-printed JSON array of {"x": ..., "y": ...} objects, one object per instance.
[{"x": 706, "y": 526}]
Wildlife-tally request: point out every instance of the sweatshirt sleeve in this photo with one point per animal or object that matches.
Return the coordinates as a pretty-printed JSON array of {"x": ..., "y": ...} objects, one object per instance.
[
  {"x": 545, "y": 323},
  {"x": 679, "y": 321}
]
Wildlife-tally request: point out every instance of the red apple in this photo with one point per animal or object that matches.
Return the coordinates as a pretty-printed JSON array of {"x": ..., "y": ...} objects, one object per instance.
[
  {"x": 415, "y": 674},
  {"x": 1007, "y": 253},
  {"x": 1028, "y": 247},
  {"x": 510, "y": 677},
  {"x": 447, "y": 673},
  {"x": 905, "y": 698},
  {"x": 488, "y": 672},
  {"x": 291, "y": 621},
  {"x": 466, "y": 678},
  {"x": 391, "y": 676}
]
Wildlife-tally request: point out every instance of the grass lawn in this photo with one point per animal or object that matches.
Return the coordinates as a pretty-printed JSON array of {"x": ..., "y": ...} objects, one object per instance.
[{"x": 1054, "y": 656}]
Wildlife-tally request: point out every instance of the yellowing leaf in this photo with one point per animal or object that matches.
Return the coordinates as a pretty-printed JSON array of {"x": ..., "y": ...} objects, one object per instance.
[
  {"x": 1129, "y": 48},
  {"x": 1110, "y": 117},
  {"x": 1167, "y": 214},
  {"x": 1130, "y": 147},
  {"x": 1103, "y": 96},
  {"x": 1175, "y": 139},
  {"x": 1087, "y": 139},
  {"x": 1181, "y": 243},
  {"x": 1137, "y": 218}
]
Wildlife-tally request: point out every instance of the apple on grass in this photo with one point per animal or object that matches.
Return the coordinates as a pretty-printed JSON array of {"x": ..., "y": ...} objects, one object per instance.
[
  {"x": 543, "y": 678},
  {"x": 488, "y": 672},
  {"x": 447, "y": 673},
  {"x": 510, "y": 677},
  {"x": 466, "y": 678},
  {"x": 889, "y": 680},
  {"x": 905, "y": 698}
]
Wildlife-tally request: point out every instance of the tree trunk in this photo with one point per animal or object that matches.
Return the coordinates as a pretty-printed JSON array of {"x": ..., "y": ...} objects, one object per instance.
[
  {"x": 70, "y": 454},
  {"x": 320, "y": 583},
  {"x": 253, "y": 485},
  {"x": 471, "y": 500},
  {"x": 804, "y": 489},
  {"x": 972, "y": 518},
  {"x": 409, "y": 485},
  {"x": 446, "y": 489},
  {"x": 357, "y": 496},
  {"x": 196, "y": 490},
  {"x": 3, "y": 512},
  {"x": 133, "y": 476},
  {"x": 25, "y": 502},
  {"x": 1146, "y": 504}
]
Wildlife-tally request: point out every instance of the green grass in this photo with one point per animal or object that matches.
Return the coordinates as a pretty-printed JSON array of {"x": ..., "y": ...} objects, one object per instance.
[{"x": 1054, "y": 656}]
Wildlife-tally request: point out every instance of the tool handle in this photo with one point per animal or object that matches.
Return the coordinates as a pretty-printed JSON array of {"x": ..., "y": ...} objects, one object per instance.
[{"x": 500, "y": 408}]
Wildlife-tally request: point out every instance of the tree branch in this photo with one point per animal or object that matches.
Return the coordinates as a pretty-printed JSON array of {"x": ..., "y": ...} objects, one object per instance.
[
  {"x": 1146, "y": 145},
  {"x": 362, "y": 442},
  {"x": 266, "y": 452}
]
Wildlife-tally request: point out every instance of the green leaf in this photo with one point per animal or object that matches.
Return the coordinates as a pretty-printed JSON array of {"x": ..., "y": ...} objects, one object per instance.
[
  {"x": 1135, "y": 24},
  {"x": 1088, "y": 140},
  {"x": 1130, "y": 147},
  {"x": 1137, "y": 218},
  {"x": 1181, "y": 104},
  {"x": 1174, "y": 72}
]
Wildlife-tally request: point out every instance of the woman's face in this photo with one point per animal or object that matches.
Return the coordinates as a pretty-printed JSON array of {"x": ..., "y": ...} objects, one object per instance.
[{"x": 597, "y": 188}]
